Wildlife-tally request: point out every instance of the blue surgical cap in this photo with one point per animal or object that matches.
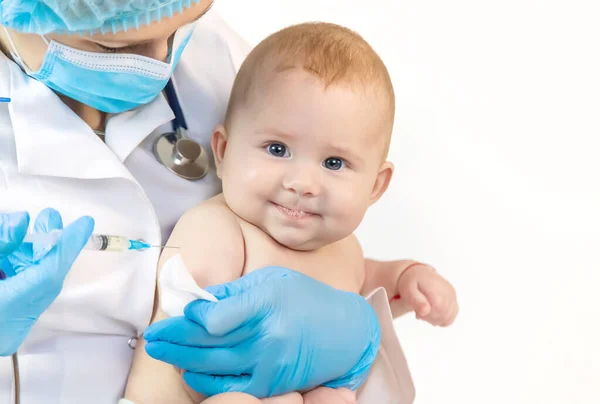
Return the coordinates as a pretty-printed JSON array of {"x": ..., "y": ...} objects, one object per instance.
[{"x": 85, "y": 16}]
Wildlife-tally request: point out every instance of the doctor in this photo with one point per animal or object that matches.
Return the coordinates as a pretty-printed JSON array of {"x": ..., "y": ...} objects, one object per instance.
[{"x": 85, "y": 81}]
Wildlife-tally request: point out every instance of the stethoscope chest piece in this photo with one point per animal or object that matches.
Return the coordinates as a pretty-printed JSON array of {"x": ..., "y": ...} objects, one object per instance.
[{"x": 182, "y": 155}]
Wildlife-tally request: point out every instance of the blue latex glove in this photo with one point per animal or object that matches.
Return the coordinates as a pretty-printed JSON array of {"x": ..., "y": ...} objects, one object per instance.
[
  {"x": 32, "y": 285},
  {"x": 273, "y": 331}
]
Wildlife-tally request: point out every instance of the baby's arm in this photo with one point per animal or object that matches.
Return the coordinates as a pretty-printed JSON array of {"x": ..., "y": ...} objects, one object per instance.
[
  {"x": 374, "y": 274},
  {"x": 419, "y": 288},
  {"x": 212, "y": 247},
  {"x": 386, "y": 275}
]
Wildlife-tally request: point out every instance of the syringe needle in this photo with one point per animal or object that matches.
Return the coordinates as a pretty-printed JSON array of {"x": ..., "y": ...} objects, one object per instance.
[{"x": 163, "y": 246}]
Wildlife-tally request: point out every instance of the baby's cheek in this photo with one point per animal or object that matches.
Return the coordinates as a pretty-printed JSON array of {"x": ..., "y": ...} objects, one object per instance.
[{"x": 349, "y": 212}]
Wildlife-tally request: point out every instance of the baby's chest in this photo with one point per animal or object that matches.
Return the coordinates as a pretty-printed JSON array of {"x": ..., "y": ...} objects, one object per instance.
[{"x": 328, "y": 265}]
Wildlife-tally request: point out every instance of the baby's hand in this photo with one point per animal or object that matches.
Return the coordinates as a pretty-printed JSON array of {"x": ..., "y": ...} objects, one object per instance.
[{"x": 431, "y": 297}]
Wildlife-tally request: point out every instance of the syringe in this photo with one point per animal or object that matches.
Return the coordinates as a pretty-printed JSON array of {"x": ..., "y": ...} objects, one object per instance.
[{"x": 97, "y": 242}]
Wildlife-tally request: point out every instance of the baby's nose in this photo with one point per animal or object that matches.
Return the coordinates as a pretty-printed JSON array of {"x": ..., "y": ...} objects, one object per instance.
[{"x": 303, "y": 181}]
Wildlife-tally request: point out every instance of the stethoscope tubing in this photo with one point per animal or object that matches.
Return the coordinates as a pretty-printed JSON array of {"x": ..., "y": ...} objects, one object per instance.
[{"x": 173, "y": 100}]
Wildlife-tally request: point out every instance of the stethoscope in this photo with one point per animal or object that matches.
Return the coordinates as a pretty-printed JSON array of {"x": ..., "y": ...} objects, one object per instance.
[{"x": 180, "y": 154}]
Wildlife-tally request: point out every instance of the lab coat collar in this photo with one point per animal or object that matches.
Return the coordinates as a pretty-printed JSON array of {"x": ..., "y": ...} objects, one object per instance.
[
  {"x": 52, "y": 140},
  {"x": 124, "y": 132}
]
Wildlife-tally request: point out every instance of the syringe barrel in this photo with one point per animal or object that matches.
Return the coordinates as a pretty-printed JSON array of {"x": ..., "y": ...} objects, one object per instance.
[
  {"x": 97, "y": 242},
  {"x": 104, "y": 242}
]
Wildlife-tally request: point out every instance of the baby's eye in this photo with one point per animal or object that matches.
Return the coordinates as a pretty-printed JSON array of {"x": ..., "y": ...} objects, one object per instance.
[
  {"x": 334, "y": 163},
  {"x": 277, "y": 150}
]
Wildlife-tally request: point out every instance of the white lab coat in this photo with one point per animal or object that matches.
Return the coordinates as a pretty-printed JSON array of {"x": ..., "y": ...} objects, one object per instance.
[{"x": 78, "y": 351}]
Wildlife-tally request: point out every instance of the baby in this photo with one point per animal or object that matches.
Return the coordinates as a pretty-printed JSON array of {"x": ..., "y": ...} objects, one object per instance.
[{"x": 302, "y": 156}]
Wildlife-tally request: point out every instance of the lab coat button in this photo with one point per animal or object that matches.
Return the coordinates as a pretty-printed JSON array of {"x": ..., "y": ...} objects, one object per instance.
[{"x": 132, "y": 342}]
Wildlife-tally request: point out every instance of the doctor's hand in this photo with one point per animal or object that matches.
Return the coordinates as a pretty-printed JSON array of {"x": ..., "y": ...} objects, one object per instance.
[
  {"x": 31, "y": 285},
  {"x": 432, "y": 297},
  {"x": 273, "y": 331}
]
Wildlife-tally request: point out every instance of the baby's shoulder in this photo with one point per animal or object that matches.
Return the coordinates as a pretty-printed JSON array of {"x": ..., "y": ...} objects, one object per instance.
[
  {"x": 211, "y": 221},
  {"x": 210, "y": 241},
  {"x": 212, "y": 210}
]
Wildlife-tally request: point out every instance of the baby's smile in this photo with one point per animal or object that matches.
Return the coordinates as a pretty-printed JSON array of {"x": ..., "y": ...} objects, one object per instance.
[{"x": 293, "y": 213}]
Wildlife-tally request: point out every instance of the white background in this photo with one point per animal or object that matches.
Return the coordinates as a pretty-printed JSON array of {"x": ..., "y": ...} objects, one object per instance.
[{"x": 497, "y": 149}]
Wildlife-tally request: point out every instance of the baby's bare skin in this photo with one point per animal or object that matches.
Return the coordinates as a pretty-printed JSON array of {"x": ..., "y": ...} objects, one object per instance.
[{"x": 320, "y": 395}]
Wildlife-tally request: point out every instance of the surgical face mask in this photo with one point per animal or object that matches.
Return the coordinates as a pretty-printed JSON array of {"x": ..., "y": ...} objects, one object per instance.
[{"x": 108, "y": 82}]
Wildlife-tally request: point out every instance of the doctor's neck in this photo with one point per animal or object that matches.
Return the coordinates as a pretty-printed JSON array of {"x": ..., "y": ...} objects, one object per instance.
[{"x": 94, "y": 118}]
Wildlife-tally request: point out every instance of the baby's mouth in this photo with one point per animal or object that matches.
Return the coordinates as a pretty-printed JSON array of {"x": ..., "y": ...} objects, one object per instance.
[{"x": 293, "y": 213}]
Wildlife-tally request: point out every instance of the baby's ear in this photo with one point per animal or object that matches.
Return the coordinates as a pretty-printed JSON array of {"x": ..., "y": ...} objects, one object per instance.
[
  {"x": 384, "y": 176},
  {"x": 219, "y": 144}
]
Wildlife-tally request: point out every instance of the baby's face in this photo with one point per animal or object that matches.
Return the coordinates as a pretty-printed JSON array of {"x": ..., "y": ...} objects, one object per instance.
[{"x": 302, "y": 162}]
